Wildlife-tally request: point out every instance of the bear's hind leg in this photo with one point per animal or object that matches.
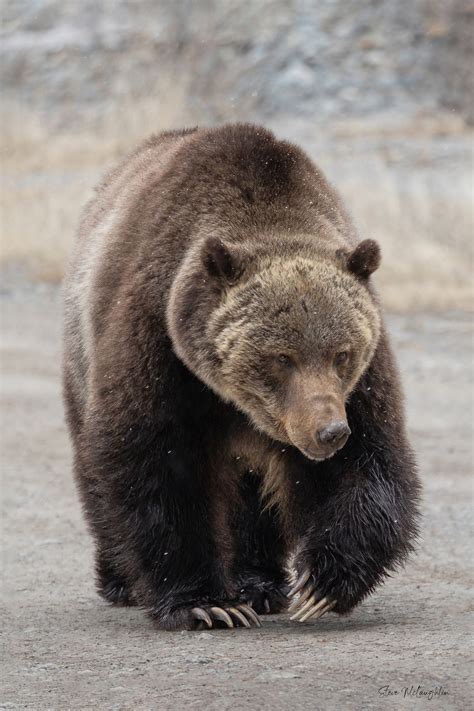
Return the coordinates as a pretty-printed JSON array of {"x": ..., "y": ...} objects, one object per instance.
[
  {"x": 111, "y": 585},
  {"x": 260, "y": 556}
]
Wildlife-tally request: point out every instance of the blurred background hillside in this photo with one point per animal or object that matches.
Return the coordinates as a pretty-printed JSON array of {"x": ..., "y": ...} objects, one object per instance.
[{"x": 379, "y": 92}]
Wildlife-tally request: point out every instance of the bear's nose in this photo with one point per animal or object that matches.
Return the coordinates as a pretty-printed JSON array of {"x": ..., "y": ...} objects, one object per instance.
[{"x": 334, "y": 434}]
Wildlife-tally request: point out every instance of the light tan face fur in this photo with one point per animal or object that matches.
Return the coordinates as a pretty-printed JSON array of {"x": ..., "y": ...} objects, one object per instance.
[{"x": 290, "y": 344}]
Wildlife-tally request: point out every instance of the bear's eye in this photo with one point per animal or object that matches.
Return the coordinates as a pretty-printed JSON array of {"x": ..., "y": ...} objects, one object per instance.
[
  {"x": 285, "y": 359},
  {"x": 341, "y": 359}
]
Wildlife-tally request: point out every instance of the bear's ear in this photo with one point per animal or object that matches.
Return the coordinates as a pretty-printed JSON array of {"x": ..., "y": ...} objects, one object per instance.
[
  {"x": 365, "y": 259},
  {"x": 221, "y": 261}
]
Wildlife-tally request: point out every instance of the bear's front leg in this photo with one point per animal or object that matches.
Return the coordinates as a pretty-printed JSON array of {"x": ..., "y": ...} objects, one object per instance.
[
  {"x": 150, "y": 490},
  {"x": 159, "y": 507},
  {"x": 363, "y": 528},
  {"x": 353, "y": 518}
]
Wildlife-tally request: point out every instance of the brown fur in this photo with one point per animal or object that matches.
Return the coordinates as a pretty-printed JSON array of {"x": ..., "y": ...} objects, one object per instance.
[{"x": 216, "y": 281}]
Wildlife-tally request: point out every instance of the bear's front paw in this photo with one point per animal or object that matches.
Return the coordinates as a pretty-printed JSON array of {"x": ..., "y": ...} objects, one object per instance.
[
  {"x": 208, "y": 616},
  {"x": 308, "y": 601}
]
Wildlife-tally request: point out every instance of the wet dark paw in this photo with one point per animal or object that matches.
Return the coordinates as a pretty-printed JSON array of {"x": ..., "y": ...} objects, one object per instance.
[
  {"x": 206, "y": 616},
  {"x": 266, "y": 597}
]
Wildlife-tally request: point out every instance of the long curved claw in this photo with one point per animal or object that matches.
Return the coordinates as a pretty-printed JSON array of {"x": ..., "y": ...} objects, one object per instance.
[
  {"x": 305, "y": 607},
  {"x": 302, "y": 580},
  {"x": 266, "y": 605},
  {"x": 316, "y": 614},
  {"x": 250, "y": 614},
  {"x": 304, "y": 594},
  {"x": 310, "y": 610},
  {"x": 201, "y": 614},
  {"x": 314, "y": 611},
  {"x": 239, "y": 616},
  {"x": 219, "y": 614}
]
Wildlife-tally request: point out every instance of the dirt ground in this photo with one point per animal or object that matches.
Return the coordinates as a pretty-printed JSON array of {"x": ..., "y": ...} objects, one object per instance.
[{"x": 65, "y": 649}]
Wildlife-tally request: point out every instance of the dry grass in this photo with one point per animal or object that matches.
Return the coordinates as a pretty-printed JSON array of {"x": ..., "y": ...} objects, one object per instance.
[
  {"x": 48, "y": 176},
  {"x": 424, "y": 221},
  {"x": 425, "y": 229}
]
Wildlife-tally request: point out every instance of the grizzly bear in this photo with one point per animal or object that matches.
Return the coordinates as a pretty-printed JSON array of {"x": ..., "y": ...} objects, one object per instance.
[{"x": 231, "y": 395}]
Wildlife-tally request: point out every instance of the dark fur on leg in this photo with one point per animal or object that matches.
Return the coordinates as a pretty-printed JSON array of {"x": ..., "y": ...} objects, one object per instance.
[
  {"x": 113, "y": 588},
  {"x": 260, "y": 550}
]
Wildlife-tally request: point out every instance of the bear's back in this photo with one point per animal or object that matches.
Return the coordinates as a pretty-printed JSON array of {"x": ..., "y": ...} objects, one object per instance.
[{"x": 104, "y": 248}]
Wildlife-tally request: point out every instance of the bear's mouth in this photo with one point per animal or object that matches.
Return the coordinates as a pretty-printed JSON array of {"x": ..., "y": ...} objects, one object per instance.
[
  {"x": 316, "y": 456},
  {"x": 314, "y": 452}
]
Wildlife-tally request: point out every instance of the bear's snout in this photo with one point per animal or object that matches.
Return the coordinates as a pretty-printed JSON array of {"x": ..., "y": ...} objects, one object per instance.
[
  {"x": 315, "y": 417},
  {"x": 334, "y": 434},
  {"x": 328, "y": 440},
  {"x": 325, "y": 441}
]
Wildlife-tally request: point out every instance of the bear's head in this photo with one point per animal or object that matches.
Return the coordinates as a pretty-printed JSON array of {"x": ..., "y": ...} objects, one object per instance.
[{"x": 284, "y": 338}]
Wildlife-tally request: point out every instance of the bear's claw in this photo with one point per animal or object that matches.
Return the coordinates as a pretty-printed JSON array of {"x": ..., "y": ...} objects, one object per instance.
[
  {"x": 302, "y": 580},
  {"x": 242, "y": 615},
  {"x": 250, "y": 613},
  {"x": 308, "y": 603},
  {"x": 200, "y": 614}
]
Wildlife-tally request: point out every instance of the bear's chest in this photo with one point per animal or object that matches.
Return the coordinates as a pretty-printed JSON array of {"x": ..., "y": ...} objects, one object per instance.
[{"x": 253, "y": 452}]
